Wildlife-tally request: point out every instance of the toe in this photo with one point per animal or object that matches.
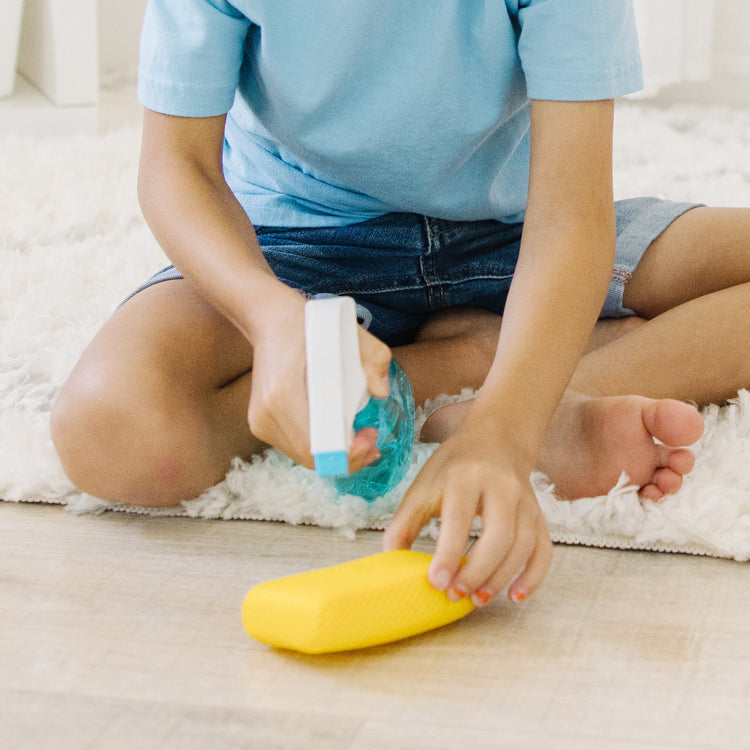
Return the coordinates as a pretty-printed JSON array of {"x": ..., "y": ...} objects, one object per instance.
[
  {"x": 667, "y": 481},
  {"x": 673, "y": 422},
  {"x": 664, "y": 482},
  {"x": 650, "y": 492},
  {"x": 681, "y": 461}
]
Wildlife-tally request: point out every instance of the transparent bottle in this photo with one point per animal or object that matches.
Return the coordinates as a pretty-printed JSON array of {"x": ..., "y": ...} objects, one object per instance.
[{"x": 393, "y": 417}]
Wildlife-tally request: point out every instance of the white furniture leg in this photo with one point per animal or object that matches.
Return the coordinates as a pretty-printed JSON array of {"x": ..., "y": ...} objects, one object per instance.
[
  {"x": 59, "y": 50},
  {"x": 10, "y": 32}
]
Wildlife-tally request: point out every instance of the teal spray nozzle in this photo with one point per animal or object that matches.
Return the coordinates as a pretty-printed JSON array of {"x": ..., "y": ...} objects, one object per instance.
[{"x": 340, "y": 405}]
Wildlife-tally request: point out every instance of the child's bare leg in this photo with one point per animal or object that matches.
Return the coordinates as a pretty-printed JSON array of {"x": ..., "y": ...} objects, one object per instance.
[
  {"x": 694, "y": 284},
  {"x": 591, "y": 440},
  {"x": 455, "y": 349},
  {"x": 156, "y": 407},
  {"x": 608, "y": 330}
]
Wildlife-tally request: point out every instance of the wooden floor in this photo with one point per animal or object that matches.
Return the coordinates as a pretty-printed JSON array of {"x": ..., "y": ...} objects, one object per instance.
[{"x": 123, "y": 631}]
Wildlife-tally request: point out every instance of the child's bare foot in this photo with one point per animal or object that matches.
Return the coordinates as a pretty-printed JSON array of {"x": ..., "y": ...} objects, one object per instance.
[{"x": 592, "y": 440}]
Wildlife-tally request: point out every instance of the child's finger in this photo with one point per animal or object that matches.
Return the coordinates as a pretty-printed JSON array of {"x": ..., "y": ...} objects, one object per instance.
[
  {"x": 410, "y": 518},
  {"x": 495, "y": 544},
  {"x": 518, "y": 558},
  {"x": 376, "y": 360},
  {"x": 535, "y": 571},
  {"x": 363, "y": 450},
  {"x": 456, "y": 521}
]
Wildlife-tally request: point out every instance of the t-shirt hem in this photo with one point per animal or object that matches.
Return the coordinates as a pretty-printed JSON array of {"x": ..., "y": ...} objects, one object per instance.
[
  {"x": 551, "y": 85},
  {"x": 185, "y": 101}
]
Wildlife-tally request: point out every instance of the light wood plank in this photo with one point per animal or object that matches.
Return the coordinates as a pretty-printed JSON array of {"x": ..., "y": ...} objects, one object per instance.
[{"x": 124, "y": 631}]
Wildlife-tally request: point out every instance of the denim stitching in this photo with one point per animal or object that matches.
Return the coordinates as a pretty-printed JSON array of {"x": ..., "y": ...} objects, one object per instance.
[
  {"x": 455, "y": 282},
  {"x": 432, "y": 280}
]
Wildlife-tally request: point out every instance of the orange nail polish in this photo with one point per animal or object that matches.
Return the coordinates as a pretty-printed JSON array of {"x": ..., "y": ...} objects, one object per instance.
[
  {"x": 458, "y": 591},
  {"x": 517, "y": 596},
  {"x": 483, "y": 596}
]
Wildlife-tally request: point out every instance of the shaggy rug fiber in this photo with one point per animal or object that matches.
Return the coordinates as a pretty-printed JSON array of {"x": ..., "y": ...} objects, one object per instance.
[{"x": 73, "y": 244}]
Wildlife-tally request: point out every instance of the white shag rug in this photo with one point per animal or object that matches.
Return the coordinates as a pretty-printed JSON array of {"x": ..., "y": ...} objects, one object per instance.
[{"x": 73, "y": 244}]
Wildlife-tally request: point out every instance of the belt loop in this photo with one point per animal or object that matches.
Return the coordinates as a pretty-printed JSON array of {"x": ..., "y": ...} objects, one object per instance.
[{"x": 432, "y": 231}]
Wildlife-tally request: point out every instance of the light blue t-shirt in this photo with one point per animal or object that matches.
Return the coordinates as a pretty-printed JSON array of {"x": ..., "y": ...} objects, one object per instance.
[{"x": 343, "y": 110}]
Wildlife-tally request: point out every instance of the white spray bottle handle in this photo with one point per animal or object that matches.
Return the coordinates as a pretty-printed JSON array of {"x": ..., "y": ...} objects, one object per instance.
[{"x": 336, "y": 381}]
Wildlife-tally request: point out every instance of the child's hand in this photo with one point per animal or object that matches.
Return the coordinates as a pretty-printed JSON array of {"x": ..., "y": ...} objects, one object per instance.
[
  {"x": 475, "y": 472},
  {"x": 278, "y": 413}
]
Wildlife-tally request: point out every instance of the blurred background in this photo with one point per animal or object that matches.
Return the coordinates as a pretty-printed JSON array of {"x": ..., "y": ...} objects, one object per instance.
[{"x": 70, "y": 65}]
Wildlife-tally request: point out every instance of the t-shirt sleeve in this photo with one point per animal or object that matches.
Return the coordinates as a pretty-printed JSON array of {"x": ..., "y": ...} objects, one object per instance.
[
  {"x": 579, "y": 49},
  {"x": 190, "y": 56}
]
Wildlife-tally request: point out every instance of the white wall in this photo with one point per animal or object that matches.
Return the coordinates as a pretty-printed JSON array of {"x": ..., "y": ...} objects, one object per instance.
[
  {"x": 732, "y": 38},
  {"x": 695, "y": 50}
]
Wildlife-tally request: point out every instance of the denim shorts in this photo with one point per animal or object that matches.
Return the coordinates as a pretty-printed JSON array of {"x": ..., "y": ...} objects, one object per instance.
[{"x": 403, "y": 267}]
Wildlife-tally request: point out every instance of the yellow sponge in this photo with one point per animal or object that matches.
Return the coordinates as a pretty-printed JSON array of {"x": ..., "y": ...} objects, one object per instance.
[{"x": 361, "y": 603}]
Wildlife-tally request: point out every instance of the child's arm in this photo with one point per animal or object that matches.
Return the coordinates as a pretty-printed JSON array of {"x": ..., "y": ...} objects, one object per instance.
[
  {"x": 207, "y": 235},
  {"x": 566, "y": 260}
]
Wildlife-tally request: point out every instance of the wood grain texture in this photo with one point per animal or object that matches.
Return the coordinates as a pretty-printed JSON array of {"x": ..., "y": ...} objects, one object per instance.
[{"x": 121, "y": 631}]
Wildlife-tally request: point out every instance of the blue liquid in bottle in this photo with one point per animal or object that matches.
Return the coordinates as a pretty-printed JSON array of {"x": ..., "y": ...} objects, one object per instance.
[{"x": 393, "y": 417}]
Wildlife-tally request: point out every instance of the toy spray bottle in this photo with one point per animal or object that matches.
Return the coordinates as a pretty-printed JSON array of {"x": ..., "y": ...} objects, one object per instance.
[{"x": 340, "y": 404}]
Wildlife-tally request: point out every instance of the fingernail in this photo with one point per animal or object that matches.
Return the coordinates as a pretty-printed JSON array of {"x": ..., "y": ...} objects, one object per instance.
[
  {"x": 481, "y": 598},
  {"x": 441, "y": 579},
  {"x": 457, "y": 592},
  {"x": 373, "y": 454},
  {"x": 517, "y": 595}
]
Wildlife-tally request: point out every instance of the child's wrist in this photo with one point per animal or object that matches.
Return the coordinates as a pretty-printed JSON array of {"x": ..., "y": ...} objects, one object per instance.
[
  {"x": 267, "y": 304},
  {"x": 513, "y": 433}
]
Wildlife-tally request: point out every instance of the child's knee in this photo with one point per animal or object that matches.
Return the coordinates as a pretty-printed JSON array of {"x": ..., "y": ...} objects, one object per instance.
[
  {"x": 113, "y": 444},
  {"x": 72, "y": 427}
]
